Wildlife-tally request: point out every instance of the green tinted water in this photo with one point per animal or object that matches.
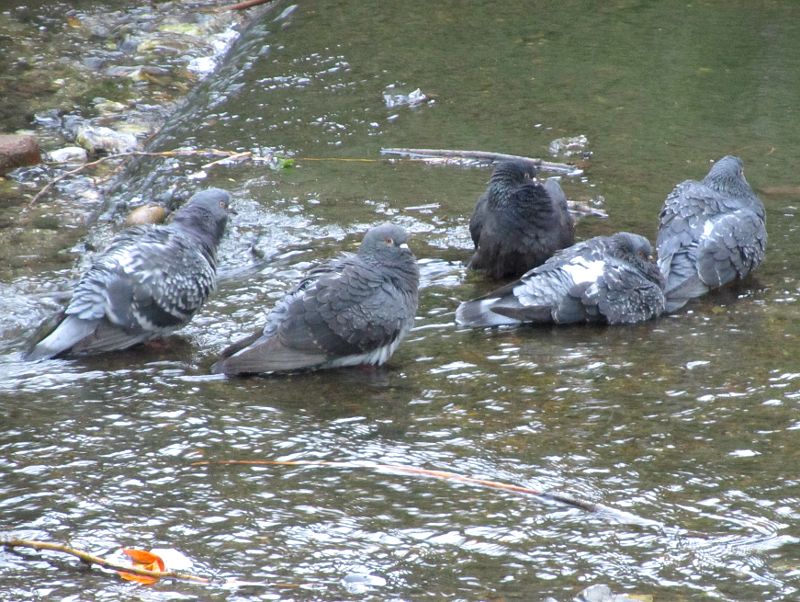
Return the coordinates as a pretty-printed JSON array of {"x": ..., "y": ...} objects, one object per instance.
[{"x": 689, "y": 421}]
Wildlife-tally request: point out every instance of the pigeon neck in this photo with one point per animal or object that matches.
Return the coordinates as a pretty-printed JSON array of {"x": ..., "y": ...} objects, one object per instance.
[
  {"x": 735, "y": 186},
  {"x": 402, "y": 269},
  {"x": 202, "y": 227},
  {"x": 500, "y": 191}
]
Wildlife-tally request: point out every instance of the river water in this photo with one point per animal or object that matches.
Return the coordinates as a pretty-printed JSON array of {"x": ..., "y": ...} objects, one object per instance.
[{"x": 687, "y": 427}]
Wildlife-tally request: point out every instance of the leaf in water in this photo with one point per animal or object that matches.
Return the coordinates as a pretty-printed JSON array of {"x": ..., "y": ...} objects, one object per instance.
[
  {"x": 142, "y": 559},
  {"x": 284, "y": 163}
]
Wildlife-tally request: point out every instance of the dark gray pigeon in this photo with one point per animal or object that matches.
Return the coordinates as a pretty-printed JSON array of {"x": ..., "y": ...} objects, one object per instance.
[
  {"x": 148, "y": 282},
  {"x": 710, "y": 233},
  {"x": 352, "y": 310},
  {"x": 610, "y": 279},
  {"x": 518, "y": 223}
]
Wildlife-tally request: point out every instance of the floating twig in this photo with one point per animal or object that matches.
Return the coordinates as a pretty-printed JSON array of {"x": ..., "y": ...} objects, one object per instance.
[
  {"x": 568, "y": 500},
  {"x": 242, "y": 5},
  {"x": 232, "y": 157},
  {"x": 487, "y": 156},
  {"x": 92, "y": 559}
]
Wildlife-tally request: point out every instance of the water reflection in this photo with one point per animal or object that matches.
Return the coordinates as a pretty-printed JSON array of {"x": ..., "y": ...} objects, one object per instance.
[{"x": 689, "y": 421}]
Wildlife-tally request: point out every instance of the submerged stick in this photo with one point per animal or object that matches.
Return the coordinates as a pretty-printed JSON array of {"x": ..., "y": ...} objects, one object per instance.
[
  {"x": 242, "y": 5},
  {"x": 92, "y": 559},
  {"x": 448, "y": 476},
  {"x": 563, "y": 168}
]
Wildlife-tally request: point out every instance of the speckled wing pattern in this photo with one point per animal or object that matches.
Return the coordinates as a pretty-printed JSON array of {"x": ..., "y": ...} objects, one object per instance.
[
  {"x": 622, "y": 295},
  {"x": 148, "y": 282},
  {"x": 706, "y": 240},
  {"x": 343, "y": 313},
  {"x": 585, "y": 284},
  {"x": 582, "y": 283}
]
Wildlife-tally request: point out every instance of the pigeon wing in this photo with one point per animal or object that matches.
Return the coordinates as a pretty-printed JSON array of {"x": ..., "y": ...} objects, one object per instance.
[
  {"x": 623, "y": 295},
  {"x": 352, "y": 311},
  {"x": 149, "y": 280},
  {"x": 346, "y": 308},
  {"x": 477, "y": 218},
  {"x": 731, "y": 247}
]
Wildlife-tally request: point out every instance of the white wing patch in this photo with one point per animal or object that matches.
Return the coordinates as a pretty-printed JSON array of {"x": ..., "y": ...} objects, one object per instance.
[
  {"x": 708, "y": 228},
  {"x": 584, "y": 272}
]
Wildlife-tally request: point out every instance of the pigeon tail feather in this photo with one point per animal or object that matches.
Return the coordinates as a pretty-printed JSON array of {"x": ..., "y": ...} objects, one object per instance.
[
  {"x": 479, "y": 313},
  {"x": 266, "y": 354},
  {"x": 69, "y": 333}
]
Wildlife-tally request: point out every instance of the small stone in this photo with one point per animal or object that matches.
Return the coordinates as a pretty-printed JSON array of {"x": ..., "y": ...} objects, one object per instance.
[
  {"x": 68, "y": 154},
  {"x": 18, "y": 150},
  {"x": 146, "y": 214},
  {"x": 105, "y": 106},
  {"x": 98, "y": 138}
]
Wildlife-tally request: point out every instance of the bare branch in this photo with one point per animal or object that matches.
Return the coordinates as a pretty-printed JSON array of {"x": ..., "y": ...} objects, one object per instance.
[
  {"x": 434, "y": 153},
  {"x": 91, "y": 559}
]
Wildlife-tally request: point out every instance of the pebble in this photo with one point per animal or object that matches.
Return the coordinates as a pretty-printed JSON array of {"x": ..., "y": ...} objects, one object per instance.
[
  {"x": 18, "y": 150},
  {"x": 146, "y": 214},
  {"x": 99, "y": 138},
  {"x": 68, "y": 154}
]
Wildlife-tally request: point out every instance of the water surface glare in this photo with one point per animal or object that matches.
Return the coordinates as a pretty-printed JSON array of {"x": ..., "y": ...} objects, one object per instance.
[{"x": 689, "y": 424}]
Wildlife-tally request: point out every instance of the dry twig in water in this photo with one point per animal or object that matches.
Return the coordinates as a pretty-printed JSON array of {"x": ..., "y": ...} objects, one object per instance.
[
  {"x": 242, "y": 5},
  {"x": 568, "y": 500},
  {"x": 91, "y": 559},
  {"x": 562, "y": 168}
]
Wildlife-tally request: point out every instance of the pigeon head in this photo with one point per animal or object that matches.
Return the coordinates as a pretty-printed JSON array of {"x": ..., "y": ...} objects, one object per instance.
[
  {"x": 386, "y": 245},
  {"x": 637, "y": 250},
  {"x": 508, "y": 179},
  {"x": 512, "y": 173},
  {"x": 385, "y": 241},
  {"x": 727, "y": 177},
  {"x": 205, "y": 215}
]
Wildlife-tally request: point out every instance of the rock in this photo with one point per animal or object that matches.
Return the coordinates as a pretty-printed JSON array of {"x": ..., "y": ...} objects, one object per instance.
[
  {"x": 68, "y": 154},
  {"x": 98, "y": 138},
  {"x": 103, "y": 106},
  {"x": 17, "y": 150},
  {"x": 146, "y": 214}
]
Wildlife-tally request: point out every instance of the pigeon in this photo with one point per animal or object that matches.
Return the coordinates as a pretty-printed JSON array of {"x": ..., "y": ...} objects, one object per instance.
[
  {"x": 607, "y": 279},
  {"x": 352, "y": 310},
  {"x": 518, "y": 223},
  {"x": 710, "y": 233},
  {"x": 148, "y": 282}
]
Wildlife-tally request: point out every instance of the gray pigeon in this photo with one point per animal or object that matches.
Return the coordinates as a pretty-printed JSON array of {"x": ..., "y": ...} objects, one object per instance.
[
  {"x": 518, "y": 223},
  {"x": 710, "y": 233},
  {"x": 148, "y": 282},
  {"x": 610, "y": 279},
  {"x": 352, "y": 310}
]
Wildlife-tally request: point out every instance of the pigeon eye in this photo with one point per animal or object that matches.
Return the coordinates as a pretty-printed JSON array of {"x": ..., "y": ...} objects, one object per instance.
[
  {"x": 389, "y": 242},
  {"x": 223, "y": 204}
]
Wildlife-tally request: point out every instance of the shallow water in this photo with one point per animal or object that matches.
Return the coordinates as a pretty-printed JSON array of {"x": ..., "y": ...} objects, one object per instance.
[{"x": 689, "y": 422}]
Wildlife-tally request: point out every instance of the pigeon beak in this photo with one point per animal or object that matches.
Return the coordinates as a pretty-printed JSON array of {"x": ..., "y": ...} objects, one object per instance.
[{"x": 403, "y": 246}]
